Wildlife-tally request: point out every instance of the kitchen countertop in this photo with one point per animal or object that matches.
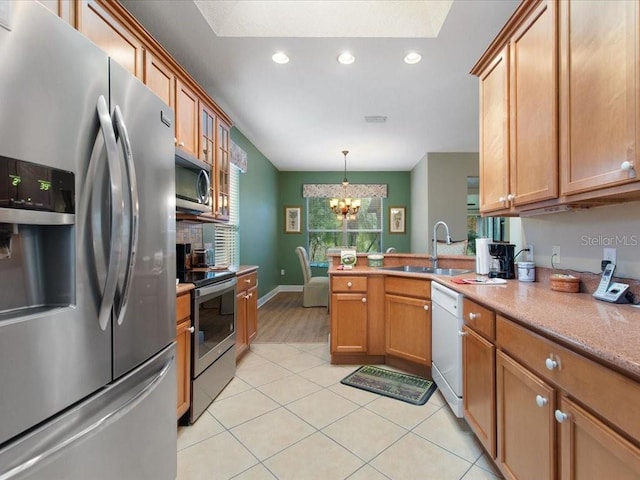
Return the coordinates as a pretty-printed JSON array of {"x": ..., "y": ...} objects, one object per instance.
[
  {"x": 184, "y": 288},
  {"x": 242, "y": 269},
  {"x": 609, "y": 333}
]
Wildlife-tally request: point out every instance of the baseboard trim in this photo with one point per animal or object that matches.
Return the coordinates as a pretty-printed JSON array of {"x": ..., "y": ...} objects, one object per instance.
[{"x": 280, "y": 288}]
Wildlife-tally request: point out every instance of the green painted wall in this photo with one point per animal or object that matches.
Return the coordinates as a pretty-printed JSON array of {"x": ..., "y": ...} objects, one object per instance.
[
  {"x": 259, "y": 212},
  {"x": 290, "y": 194},
  {"x": 264, "y": 191}
]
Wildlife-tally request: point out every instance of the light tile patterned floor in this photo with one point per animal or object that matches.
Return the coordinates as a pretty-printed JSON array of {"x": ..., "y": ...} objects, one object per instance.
[{"x": 286, "y": 416}]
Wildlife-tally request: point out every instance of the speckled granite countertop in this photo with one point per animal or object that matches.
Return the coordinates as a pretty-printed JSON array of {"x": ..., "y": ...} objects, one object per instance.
[
  {"x": 606, "y": 332},
  {"x": 242, "y": 269}
]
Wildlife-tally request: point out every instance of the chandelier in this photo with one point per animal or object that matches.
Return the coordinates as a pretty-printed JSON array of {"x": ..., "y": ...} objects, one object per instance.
[{"x": 345, "y": 207}]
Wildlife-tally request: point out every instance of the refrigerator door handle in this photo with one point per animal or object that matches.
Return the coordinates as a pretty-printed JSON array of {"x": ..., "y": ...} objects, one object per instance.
[
  {"x": 117, "y": 205},
  {"x": 78, "y": 426},
  {"x": 121, "y": 132}
]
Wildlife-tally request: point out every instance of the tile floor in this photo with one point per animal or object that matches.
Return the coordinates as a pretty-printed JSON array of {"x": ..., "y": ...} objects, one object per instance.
[{"x": 287, "y": 416}]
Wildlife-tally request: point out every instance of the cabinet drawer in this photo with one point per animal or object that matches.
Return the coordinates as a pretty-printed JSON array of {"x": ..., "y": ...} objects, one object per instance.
[
  {"x": 349, "y": 284},
  {"x": 607, "y": 393},
  {"x": 183, "y": 307},
  {"x": 480, "y": 319},
  {"x": 409, "y": 287},
  {"x": 246, "y": 281}
]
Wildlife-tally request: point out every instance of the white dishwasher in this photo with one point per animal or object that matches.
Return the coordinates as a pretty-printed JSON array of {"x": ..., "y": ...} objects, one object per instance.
[{"x": 446, "y": 344}]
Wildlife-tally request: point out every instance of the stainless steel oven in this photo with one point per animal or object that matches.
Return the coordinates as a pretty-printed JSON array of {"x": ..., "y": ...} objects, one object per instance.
[{"x": 213, "y": 341}]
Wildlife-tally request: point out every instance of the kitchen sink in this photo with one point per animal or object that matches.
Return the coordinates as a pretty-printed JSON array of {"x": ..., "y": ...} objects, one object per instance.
[{"x": 436, "y": 271}]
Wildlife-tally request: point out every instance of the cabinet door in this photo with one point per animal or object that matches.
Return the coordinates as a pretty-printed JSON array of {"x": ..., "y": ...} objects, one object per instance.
[
  {"x": 598, "y": 93},
  {"x": 65, "y": 9},
  {"x": 115, "y": 39},
  {"x": 534, "y": 108},
  {"x": 252, "y": 314},
  {"x": 207, "y": 152},
  {"x": 408, "y": 328},
  {"x": 187, "y": 110},
  {"x": 223, "y": 170},
  {"x": 159, "y": 78},
  {"x": 479, "y": 388},
  {"x": 183, "y": 365},
  {"x": 348, "y": 323},
  {"x": 525, "y": 422},
  {"x": 242, "y": 343},
  {"x": 589, "y": 450},
  {"x": 494, "y": 134}
]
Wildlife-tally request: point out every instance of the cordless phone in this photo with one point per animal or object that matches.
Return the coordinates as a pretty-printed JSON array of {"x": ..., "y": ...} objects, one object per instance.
[{"x": 611, "y": 292}]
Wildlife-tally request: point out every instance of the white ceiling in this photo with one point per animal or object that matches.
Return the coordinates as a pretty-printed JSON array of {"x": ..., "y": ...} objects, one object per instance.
[{"x": 303, "y": 114}]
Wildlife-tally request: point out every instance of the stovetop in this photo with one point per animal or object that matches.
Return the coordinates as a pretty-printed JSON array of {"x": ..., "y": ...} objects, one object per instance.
[{"x": 201, "y": 278}]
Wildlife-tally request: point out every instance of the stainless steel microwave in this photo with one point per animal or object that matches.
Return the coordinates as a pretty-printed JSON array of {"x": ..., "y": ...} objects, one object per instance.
[{"x": 193, "y": 184}]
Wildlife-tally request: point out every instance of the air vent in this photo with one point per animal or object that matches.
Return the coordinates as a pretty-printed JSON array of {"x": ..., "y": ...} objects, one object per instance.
[{"x": 375, "y": 118}]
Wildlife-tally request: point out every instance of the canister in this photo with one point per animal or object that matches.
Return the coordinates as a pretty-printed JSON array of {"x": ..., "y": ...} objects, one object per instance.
[
  {"x": 375, "y": 260},
  {"x": 526, "y": 271}
]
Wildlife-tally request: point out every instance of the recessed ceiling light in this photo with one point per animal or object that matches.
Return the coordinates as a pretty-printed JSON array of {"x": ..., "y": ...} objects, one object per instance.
[
  {"x": 346, "y": 58},
  {"x": 412, "y": 58},
  {"x": 280, "y": 57}
]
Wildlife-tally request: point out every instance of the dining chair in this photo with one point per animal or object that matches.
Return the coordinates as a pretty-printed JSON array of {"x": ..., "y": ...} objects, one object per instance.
[{"x": 315, "y": 289}]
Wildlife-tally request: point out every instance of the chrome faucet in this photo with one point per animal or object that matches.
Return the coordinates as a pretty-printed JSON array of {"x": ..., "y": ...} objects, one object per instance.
[{"x": 434, "y": 248}]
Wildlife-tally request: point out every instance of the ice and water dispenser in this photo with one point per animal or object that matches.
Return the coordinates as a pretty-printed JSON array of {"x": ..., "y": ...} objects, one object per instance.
[{"x": 37, "y": 238}]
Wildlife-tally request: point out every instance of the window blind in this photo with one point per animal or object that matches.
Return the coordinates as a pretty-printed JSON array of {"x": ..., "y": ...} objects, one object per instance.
[{"x": 227, "y": 238}]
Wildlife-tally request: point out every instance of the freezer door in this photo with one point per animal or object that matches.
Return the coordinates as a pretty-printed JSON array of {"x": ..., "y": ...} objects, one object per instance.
[
  {"x": 126, "y": 431},
  {"x": 144, "y": 306},
  {"x": 51, "y": 80}
]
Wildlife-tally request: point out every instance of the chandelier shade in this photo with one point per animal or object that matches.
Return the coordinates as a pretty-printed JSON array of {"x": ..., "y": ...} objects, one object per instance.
[{"x": 345, "y": 207}]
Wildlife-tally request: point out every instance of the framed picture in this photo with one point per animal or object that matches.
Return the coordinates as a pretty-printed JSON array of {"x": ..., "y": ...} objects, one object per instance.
[
  {"x": 397, "y": 219},
  {"x": 292, "y": 219}
]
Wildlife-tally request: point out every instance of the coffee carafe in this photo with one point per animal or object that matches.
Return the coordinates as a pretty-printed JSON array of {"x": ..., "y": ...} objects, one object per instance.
[{"x": 502, "y": 265}]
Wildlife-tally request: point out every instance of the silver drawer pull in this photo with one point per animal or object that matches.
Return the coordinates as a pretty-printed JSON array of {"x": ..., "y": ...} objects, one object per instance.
[
  {"x": 364, "y": 299},
  {"x": 474, "y": 316},
  {"x": 192, "y": 329},
  {"x": 426, "y": 307},
  {"x": 551, "y": 363},
  {"x": 541, "y": 401},
  {"x": 462, "y": 334},
  {"x": 349, "y": 284}
]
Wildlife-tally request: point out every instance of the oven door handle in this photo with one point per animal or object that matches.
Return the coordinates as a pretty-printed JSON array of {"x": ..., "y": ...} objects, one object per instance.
[{"x": 215, "y": 288}]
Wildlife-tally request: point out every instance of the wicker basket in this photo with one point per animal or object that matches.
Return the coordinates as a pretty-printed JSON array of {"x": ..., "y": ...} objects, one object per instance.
[{"x": 565, "y": 283}]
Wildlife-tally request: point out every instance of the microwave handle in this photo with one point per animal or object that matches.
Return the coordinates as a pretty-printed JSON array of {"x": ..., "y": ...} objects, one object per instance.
[{"x": 204, "y": 196}]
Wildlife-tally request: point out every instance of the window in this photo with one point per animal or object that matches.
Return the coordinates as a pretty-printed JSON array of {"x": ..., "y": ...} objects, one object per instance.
[
  {"x": 226, "y": 236},
  {"x": 326, "y": 231}
]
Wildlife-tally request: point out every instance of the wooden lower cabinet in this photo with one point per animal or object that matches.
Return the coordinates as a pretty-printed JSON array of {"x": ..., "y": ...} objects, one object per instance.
[
  {"x": 184, "y": 331},
  {"x": 478, "y": 386},
  {"x": 525, "y": 422},
  {"x": 589, "y": 450},
  {"x": 408, "y": 328},
  {"x": 246, "y": 312},
  {"x": 349, "y": 322}
]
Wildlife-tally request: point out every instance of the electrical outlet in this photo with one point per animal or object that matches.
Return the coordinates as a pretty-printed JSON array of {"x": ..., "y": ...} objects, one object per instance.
[
  {"x": 555, "y": 254},
  {"x": 530, "y": 253},
  {"x": 282, "y": 272},
  {"x": 609, "y": 254}
]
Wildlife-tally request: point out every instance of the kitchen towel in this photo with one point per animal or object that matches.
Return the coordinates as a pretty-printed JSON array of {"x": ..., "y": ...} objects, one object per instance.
[{"x": 482, "y": 256}]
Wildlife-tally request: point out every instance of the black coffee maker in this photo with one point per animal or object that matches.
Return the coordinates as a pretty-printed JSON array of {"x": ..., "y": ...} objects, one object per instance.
[{"x": 502, "y": 265}]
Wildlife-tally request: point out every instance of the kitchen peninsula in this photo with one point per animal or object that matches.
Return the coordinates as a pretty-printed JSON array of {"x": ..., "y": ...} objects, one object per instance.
[{"x": 560, "y": 365}]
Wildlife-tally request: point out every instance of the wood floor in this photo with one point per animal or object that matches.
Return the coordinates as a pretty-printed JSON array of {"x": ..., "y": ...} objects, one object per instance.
[{"x": 283, "y": 319}]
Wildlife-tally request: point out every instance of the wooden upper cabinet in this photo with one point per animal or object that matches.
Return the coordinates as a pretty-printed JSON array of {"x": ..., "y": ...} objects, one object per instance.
[
  {"x": 208, "y": 134},
  {"x": 115, "y": 39},
  {"x": 534, "y": 108},
  {"x": 223, "y": 170},
  {"x": 599, "y": 85},
  {"x": 187, "y": 112},
  {"x": 159, "y": 78},
  {"x": 494, "y": 134},
  {"x": 65, "y": 9}
]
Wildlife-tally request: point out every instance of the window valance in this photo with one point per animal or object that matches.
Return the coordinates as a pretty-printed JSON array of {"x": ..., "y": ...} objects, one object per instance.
[{"x": 334, "y": 190}]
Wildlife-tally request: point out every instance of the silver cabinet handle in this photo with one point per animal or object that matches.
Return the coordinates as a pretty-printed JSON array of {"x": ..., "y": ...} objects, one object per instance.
[
  {"x": 541, "y": 401},
  {"x": 181, "y": 144},
  {"x": 502, "y": 199},
  {"x": 349, "y": 284},
  {"x": 247, "y": 280},
  {"x": 426, "y": 308},
  {"x": 462, "y": 334},
  {"x": 364, "y": 299},
  {"x": 628, "y": 167},
  {"x": 550, "y": 363},
  {"x": 192, "y": 329},
  {"x": 510, "y": 197},
  {"x": 474, "y": 316},
  {"x": 560, "y": 416},
  {"x": 246, "y": 297}
]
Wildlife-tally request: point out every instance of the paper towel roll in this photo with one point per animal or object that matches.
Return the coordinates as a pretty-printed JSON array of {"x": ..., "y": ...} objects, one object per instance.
[{"x": 483, "y": 259}]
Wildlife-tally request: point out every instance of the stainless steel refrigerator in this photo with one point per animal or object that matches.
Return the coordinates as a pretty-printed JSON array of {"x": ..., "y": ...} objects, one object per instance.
[{"x": 87, "y": 260}]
